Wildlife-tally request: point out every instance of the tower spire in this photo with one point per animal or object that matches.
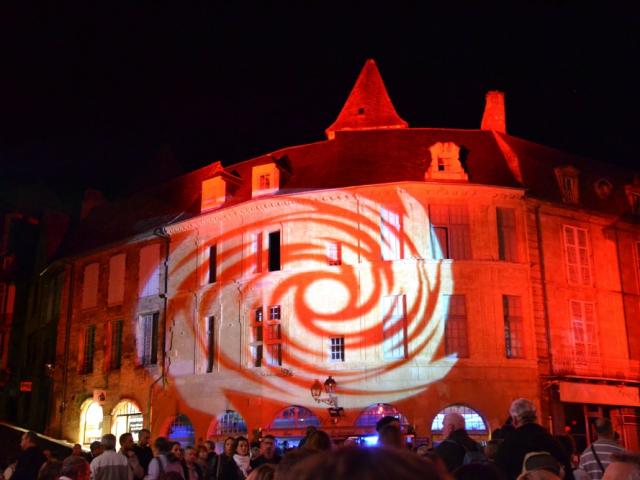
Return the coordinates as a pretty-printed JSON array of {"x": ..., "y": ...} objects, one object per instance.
[{"x": 368, "y": 106}]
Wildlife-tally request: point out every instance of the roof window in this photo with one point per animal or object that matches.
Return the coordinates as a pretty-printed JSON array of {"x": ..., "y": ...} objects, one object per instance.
[
  {"x": 445, "y": 163},
  {"x": 567, "y": 178}
]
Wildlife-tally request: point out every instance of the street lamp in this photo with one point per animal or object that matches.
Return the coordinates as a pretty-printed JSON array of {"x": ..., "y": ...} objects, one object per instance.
[{"x": 331, "y": 399}]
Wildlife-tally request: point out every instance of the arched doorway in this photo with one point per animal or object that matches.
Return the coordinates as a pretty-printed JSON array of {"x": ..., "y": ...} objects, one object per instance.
[
  {"x": 474, "y": 422},
  {"x": 181, "y": 430},
  {"x": 370, "y": 416},
  {"x": 126, "y": 417},
  {"x": 228, "y": 424},
  {"x": 91, "y": 416},
  {"x": 290, "y": 424}
]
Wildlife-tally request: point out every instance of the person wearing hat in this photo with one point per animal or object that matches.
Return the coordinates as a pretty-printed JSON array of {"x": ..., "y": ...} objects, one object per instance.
[{"x": 541, "y": 461}]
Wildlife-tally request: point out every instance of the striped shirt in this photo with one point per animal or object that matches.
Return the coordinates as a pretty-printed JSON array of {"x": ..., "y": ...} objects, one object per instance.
[{"x": 604, "y": 448}]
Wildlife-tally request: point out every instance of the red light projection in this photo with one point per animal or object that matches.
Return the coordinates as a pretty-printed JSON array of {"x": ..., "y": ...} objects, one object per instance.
[{"x": 279, "y": 299}]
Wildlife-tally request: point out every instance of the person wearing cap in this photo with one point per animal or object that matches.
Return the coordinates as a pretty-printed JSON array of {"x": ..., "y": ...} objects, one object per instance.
[
  {"x": 527, "y": 437},
  {"x": 541, "y": 461}
]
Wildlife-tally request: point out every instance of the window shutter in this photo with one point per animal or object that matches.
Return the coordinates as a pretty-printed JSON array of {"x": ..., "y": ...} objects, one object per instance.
[
  {"x": 116, "y": 279},
  {"x": 149, "y": 271},
  {"x": 90, "y": 285}
]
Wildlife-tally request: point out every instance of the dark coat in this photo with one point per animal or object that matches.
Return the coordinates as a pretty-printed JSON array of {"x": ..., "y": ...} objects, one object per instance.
[
  {"x": 454, "y": 447},
  {"x": 29, "y": 463},
  {"x": 261, "y": 460},
  {"x": 227, "y": 469},
  {"x": 145, "y": 455},
  {"x": 529, "y": 437}
]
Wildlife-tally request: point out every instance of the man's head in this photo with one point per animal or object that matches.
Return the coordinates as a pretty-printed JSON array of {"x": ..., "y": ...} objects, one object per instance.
[
  {"x": 190, "y": 455},
  {"x": 210, "y": 446},
  {"x": 95, "y": 448},
  {"x": 76, "y": 450},
  {"x": 522, "y": 411},
  {"x": 388, "y": 420},
  {"x": 162, "y": 445},
  {"x": 29, "y": 439},
  {"x": 75, "y": 468},
  {"x": 268, "y": 446},
  {"x": 126, "y": 441},
  {"x": 144, "y": 437},
  {"x": 452, "y": 422},
  {"x": 391, "y": 436},
  {"x": 604, "y": 428},
  {"x": 623, "y": 465},
  {"x": 108, "y": 441}
]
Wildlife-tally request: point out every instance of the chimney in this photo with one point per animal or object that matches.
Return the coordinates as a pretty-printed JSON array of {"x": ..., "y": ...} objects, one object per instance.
[
  {"x": 494, "y": 117},
  {"x": 91, "y": 199}
]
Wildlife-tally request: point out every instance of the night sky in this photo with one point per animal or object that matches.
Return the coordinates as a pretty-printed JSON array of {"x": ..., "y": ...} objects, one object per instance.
[{"x": 120, "y": 97}]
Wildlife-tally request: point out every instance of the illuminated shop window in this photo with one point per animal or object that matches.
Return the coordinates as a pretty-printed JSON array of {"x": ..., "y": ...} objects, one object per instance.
[
  {"x": 507, "y": 241},
  {"x": 257, "y": 337},
  {"x": 370, "y": 416},
  {"x": 334, "y": 253},
  {"x": 585, "y": 333},
  {"x": 87, "y": 349},
  {"x": 577, "y": 255},
  {"x": 230, "y": 423},
  {"x": 390, "y": 229},
  {"x": 456, "y": 341},
  {"x": 450, "y": 236},
  {"x": 394, "y": 327},
  {"x": 115, "y": 345},
  {"x": 90, "y": 422},
  {"x": 295, "y": 417},
  {"x": 126, "y": 418},
  {"x": 181, "y": 430},
  {"x": 274, "y": 336},
  {"x": 513, "y": 329},
  {"x": 147, "y": 339},
  {"x": 336, "y": 349},
  {"x": 474, "y": 423}
]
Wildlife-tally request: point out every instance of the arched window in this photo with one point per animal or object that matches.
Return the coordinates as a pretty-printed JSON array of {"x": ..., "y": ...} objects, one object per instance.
[
  {"x": 295, "y": 417},
  {"x": 90, "y": 422},
  {"x": 230, "y": 423},
  {"x": 474, "y": 423},
  {"x": 126, "y": 417},
  {"x": 370, "y": 416},
  {"x": 181, "y": 430}
]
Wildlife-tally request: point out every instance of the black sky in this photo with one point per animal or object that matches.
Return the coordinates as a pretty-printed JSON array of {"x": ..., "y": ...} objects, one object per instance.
[{"x": 118, "y": 96}]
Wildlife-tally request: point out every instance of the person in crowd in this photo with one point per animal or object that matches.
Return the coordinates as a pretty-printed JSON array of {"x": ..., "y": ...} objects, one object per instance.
[
  {"x": 30, "y": 459},
  {"x": 387, "y": 420},
  {"x": 310, "y": 429},
  {"x": 422, "y": 450},
  {"x": 77, "y": 450},
  {"x": 623, "y": 466},
  {"x": 528, "y": 436},
  {"x": 534, "y": 461},
  {"x": 477, "y": 471},
  {"x": 569, "y": 445},
  {"x": 177, "y": 450},
  {"x": 390, "y": 435},
  {"x": 241, "y": 457},
  {"x": 143, "y": 449},
  {"x": 164, "y": 461},
  {"x": 267, "y": 452},
  {"x": 95, "y": 449},
  {"x": 226, "y": 467},
  {"x": 202, "y": 455},
  {"x": 126, "y": 449},
  {"x": 10, "y": 468},
  {"x": 360, "y": 463},
  {"x": 438, "y": 463},
  {"x": 110, "y": 465},
  {"x": 595, "y": 459},
  {"x": 458, "y": 447},
  {"x": 292, "y": 458},
  {"x": 491, "y": 449},
  {"x": 211, "y": 460},
  {"x": 191, "y": 468},
  {"x": 75, "y": 468},
  {"x": 263, "y": 472},
  {"x": 50, "y": 469},
  {"x": 319, "y": 440}
]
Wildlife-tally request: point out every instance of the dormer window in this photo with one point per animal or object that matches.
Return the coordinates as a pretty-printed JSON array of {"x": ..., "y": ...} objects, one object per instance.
[
  {"x": 266, "y": 179},
  {"x": 217, "y": 189},
  {"x": 567, "y": 178},
  {"x": 445, "y": 163},
  {"x": 603, "y": 188},
  {"x": 633, "y": 197}
]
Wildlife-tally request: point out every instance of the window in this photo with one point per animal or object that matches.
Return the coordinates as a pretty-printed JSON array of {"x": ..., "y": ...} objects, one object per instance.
[
  {"x": 87, "y": 349},
  {"x": 115, "y": 294},
  {"x": 456, "y": 327},
  {"x": 473, "y": 420},
  {"x": 576, "y": 247},
  {"x": 181, "y": 430},
  {"x": 450, "y": 232},
  {"x": 372, "y": 414},
  {"x": 567, "y": 178},
  {"x": 230, "y": 423},
  {"x": 513, "y": 334},
  {"x": 507, "y": 242},
  {"x": 295, "y": 418},
  {"x": 274, "y": 251},
  {"x": 90, "y": 285},
  {"x": 394, "y": 327},
  {"x": 274, "y": 336},
  {"x": 334, "y": 253},
  {"x": 213, "y": 261},
  {"x": 390, "y": 234},
  {"x": 336, "y": 349},
  {"x": 147, "y": 336},
  {"x": 257, "y": 337},
  {"x": 211, "y": 322},
  {"x": 126, "y": 417},
  {"x": 265, "y": 181},
  {"x": 585, "y": 334},
  {"x": 149, "y": 271},
  {"x": 115, "y": 346}
]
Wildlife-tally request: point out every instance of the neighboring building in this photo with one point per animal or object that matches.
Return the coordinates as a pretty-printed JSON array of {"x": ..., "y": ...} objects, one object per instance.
[{"x": 422, "y": 269}]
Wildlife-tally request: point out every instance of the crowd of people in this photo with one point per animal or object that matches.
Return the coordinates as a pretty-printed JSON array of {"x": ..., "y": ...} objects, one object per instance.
[{"x": 522, "y": 449}]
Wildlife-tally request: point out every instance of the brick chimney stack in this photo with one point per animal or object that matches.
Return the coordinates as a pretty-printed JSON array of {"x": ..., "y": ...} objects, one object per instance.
[{"x": 494, "y": 117}]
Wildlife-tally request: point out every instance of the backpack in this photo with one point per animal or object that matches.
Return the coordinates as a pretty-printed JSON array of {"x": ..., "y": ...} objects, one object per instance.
[{"x": 470, "y": 456}]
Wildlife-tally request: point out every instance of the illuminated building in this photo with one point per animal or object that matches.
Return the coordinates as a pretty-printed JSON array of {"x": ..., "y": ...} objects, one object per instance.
[{"x": 420, "y": 268}]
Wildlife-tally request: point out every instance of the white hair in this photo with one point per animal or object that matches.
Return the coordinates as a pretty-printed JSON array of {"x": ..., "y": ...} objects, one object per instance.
[{"x": 523, "y": 409}]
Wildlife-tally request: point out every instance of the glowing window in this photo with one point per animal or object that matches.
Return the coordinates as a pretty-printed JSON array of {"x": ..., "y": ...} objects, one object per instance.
[
  {"x": 334, "y": 253},
  {"x": 513, "y": 330},
  {"x": 126, "y": 417},
  {"x": 585, "y": 333},
  {"x": 90, "y": 422},
  {"x": 295, "y": 417},
  {"x": 274, "y": 336},
  {"x": 231, "y": 423},
  {"x": 474, "y": 423},
  {"x": 181, "y": 430},
  {"x": 336, "y": 349},
  {"x": 456, "y": 341},
  {"x": 577, "y": 255},
  {"x": 370, "y": 416},
  {"x": 394, "y": 327}
]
